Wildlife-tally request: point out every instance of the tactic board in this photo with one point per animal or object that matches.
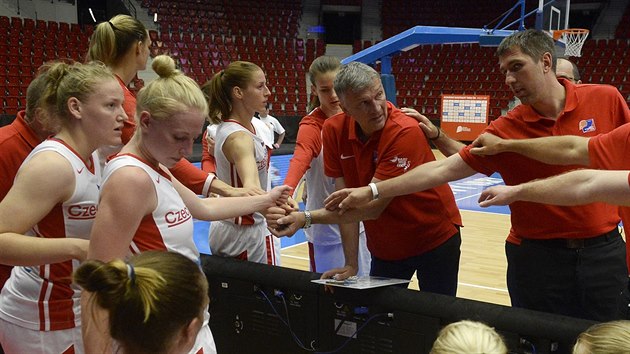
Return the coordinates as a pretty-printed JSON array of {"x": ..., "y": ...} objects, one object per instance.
[{"x": 464, "y": 117}]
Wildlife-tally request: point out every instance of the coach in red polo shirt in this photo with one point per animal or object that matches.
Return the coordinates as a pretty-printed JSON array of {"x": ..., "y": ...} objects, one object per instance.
[
  {"x": 371, "y": 141},
  {"x": 564, "y": 260}
]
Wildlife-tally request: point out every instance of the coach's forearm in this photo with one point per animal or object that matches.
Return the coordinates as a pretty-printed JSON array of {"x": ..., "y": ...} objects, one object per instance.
[
  {"x": 447, "y": 145},
  {"x": 578, "y": 187},
  {"x": 423, "y": 177},
  {"x": 556, "y": 150}
]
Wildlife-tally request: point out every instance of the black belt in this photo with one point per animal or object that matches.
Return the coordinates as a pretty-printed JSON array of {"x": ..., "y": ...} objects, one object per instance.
[{"x": 577, "y": 243}]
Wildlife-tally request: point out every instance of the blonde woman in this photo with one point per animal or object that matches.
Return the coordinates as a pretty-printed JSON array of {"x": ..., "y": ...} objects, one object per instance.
[
  {"x": 54, "y": 197},
  {"x": 122, "y": 43},
  {"x": 145, "y": 208}
]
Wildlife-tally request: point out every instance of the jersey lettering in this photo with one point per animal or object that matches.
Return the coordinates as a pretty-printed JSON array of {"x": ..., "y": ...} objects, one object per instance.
[
  {"x": 82, "y": 212},
  {"x": 174, "y": 218}
]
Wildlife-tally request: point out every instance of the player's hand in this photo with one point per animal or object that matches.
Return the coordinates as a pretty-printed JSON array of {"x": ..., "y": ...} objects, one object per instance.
[
  {"x": 273, "y": 214},
  {"x": 342, "y": 273},
  {"x": 428, "y": 128},
  {"x": 292, "y": 204},
  {"x": 498, "y": 195},
  {"x": 487, "y": 144},
  {"x": 280, "y": 195},
  {"x": 79, "y": 248},
  {"x": 287, "y": 225},
  {"x": 348, "y": 198}
]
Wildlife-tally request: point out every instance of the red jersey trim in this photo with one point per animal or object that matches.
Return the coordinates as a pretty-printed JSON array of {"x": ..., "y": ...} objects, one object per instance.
[{"x": 90, "y": 168}]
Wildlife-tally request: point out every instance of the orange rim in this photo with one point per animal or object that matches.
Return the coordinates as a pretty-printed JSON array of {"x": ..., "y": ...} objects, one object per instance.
[{"x": 557, "y": 34}]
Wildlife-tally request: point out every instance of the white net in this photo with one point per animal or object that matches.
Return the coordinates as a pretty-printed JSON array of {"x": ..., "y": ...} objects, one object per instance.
[{"x": 574, "y": 40}]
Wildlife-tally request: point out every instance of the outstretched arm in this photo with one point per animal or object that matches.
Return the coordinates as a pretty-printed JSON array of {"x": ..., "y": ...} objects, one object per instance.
[
  {"x": 223, "y": 208},
  {"x": 422, "y": 177},
  {"x": 443, "y": 142},
  {"x": 572, "y": 188},
  {"x": 350, "y": 242},
  {"x": 281, "y": 225},
  {"x": 21, "y": 250},
  {"x": 555, "y": 150}
]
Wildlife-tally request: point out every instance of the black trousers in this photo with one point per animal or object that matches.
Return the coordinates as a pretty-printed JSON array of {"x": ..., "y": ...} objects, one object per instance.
[
  {"x": 437, "y": 270},
  {"x": 586, "y": 280}
]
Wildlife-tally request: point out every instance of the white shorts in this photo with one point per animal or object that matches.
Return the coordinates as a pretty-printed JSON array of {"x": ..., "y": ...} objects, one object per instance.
[
  {"x": 243, "y": 242},
  {"x": 20, "y": 340},
  {"x": 276, "y": 247}
]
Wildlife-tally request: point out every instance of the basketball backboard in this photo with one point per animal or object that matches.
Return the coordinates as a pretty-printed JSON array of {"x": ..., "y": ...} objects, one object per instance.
[{"x": 555, "y": 14}]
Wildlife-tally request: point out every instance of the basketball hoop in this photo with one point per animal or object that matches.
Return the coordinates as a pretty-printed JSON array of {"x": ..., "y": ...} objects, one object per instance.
[{"x": 573, "y": 38}]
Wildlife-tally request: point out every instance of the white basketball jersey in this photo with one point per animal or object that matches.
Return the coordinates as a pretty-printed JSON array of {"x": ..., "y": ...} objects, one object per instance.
[
  {"x": 170, "y": 225},
  {"x": 226, "y": 171},
  {"x": 243, "y": 235},
  {"x": 43, "y": 297}
]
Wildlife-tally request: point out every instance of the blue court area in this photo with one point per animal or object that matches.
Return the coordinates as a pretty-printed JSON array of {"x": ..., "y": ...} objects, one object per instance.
[{"x": 466, "y": 193}]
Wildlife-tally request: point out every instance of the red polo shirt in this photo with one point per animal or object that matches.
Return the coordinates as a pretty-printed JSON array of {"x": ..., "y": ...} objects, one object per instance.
[
  {"x": 208, "y": 163},
  {"x": 129, "y": 106},
  {"x": 611, "y": 152},
  {"x": 589, "y": 110},
  {"x": 17, "y": 140},
  {"x": 411, "y": 224}
]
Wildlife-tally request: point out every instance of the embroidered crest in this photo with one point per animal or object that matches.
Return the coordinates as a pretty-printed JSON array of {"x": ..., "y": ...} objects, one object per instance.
[
  {"x": 401, "y": 162},
  {"x": 587, "y": 125}
]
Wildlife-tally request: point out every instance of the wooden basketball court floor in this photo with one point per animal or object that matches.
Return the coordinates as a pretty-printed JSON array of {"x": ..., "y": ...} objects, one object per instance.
[{"x": 482, "y": 264}]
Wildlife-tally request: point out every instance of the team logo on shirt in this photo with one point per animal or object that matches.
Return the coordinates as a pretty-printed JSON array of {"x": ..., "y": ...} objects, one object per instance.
[
  {"x": 174, "y": 218},
  {"x": 82, "y": 212},
  {"x": 587, "y": 125},
  {"x": 401, "y": 162}
]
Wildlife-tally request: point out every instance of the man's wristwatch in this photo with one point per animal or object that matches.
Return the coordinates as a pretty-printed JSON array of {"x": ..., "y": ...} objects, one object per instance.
[{"x": 307, "y": 219}]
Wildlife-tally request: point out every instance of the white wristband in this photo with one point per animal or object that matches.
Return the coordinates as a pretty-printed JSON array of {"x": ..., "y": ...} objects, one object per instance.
[
  {"x": 374, "y": 190},
  {"x": 208, "y": 184}
]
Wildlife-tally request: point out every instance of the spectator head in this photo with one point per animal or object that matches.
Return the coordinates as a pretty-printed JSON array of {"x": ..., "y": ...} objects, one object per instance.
[
  {"x": 604, "y": 338},
  {"x": 466, "y": 337}
]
